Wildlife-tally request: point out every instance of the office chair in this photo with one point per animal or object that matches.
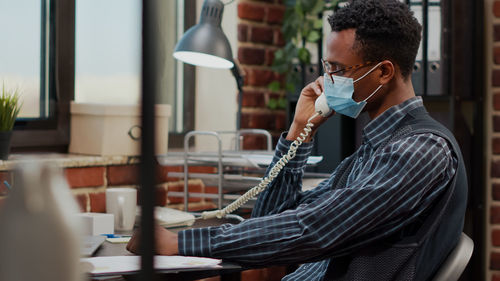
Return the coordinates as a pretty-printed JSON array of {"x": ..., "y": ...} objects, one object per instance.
[{"x": 457, "y": 260}]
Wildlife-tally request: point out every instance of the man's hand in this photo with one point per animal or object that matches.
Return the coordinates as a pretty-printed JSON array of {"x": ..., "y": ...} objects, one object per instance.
[
  {"x": 305, "y": 109},
  {"x": 166, "y": 242}
]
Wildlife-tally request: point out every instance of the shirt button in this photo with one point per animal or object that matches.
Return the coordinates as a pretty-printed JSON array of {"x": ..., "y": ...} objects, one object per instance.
[{"x": 360, "y": 159}]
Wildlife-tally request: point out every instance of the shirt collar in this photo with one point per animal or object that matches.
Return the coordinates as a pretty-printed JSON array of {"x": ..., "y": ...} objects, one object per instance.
[{"x": 384, "y": 125}]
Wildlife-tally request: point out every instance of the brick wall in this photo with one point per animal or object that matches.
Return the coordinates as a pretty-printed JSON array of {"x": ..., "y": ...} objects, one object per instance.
[
  {"x": 259, "y": 36},
  {"x": 89, "y": 184}
]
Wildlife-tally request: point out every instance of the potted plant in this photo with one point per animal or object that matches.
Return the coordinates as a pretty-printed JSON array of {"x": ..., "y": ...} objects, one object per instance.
[{"x": 9, "y": 109}]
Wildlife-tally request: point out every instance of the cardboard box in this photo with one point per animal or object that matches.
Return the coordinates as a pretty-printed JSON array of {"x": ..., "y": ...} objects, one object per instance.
[{"x": 103, "y": 129}]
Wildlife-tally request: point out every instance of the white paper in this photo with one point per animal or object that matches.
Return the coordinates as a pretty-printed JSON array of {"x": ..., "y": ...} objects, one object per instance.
[{"x": 123, "y": 264}]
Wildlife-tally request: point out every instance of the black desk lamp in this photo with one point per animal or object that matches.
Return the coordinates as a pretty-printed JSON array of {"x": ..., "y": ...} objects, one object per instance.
[{"x": 205, "y": 44}]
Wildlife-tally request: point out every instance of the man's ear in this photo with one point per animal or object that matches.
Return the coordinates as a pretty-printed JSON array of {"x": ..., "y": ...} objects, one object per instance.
[{"x": 388, "y": 71}]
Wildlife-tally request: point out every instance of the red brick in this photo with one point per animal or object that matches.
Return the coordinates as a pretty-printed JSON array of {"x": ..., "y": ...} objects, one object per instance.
[
  {"x": 496, "y": 101},
  {"x": 495, "y": 214},
  {"x": 212, "y": 189},
  {"x": 496, "y": 123},
  {"x": 496, "y": 32},
  {"x": 193, "y": 186},
  {"x": 260, "y": 77},
  {"x": 279, "y": 77},
  {"x": 496, "y": 9},
  {"x": 81, "y": 199},
  {"x": 242, "y": 32},
  {"x": 495, "y": 260},
  {"x": 495, "y": 168},
  {"x": 495, "y": 277},
  {"x": 202, "y": 169},
  {"x": 495, "y": 192},
  {"x": 5, "y": 176},
  {"x": 269, "y": 56},
  {"x": 495, "y": 79},
  {"x": 164, "y": 170},
  {"x": 123, "y": 175},
  {"x": 253, "y": 99},
  {"x": 261, "y": 34},
  {"x": 250, "y": 11},
  {"x": 279, "y": 40},
  {"x": 254, "y": 142},
  {"x": 496, "y": 55},
  {"x": 250, "y": 55},
  {"x": 85, "y": 177},
  {"x": 97, "y": 202},
  {"x": 275, "y": 15},
  {"x": 280, "y": 121},
  {"x": 495, "y": 237},
  {"x": 495, "y": 145},
  {"x": 201, "y": 206},
  {"x": 257, "y": 120}
]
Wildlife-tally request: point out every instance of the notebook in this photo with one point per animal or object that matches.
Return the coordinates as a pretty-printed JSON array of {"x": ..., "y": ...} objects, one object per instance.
[
  {"x": 168, "y": 217},
  {"x": 89, "y": 244}
]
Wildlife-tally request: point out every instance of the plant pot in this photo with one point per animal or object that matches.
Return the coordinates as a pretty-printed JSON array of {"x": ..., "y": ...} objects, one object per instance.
[{"x": 5, "y": 137}]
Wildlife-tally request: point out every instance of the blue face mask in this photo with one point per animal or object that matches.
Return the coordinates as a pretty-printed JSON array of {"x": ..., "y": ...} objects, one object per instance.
[{"x": 339, "y": 94}]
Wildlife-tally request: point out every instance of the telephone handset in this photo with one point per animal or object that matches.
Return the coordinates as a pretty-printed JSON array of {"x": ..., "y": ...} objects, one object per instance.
[{"x": 321, "y": 108}]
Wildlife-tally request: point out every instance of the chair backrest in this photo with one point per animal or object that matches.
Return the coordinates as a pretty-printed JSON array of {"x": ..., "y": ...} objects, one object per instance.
[{"x": 457, "y": 260}]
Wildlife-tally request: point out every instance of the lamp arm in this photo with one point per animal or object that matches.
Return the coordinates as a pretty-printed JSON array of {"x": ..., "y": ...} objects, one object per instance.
[
  {"x": 239, "y": 79},
  {"x": 239, "y": 83}
]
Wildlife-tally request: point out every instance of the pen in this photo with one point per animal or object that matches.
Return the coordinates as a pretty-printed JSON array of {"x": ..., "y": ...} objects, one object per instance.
[
  {"x": 116, "y": 236},
  {"x": 7, "y": 185}
]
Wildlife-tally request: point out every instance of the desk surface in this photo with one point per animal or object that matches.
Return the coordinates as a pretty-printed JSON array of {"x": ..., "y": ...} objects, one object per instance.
[{"x": 110, "y": 249}]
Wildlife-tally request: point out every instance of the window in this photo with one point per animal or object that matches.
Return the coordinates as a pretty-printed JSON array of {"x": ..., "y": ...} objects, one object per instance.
[
  {"x": 23, "y": 64},
  {"x": 108, "y": 56},
  {"x": 38, "y": 57},
  {"x": 32, "y": 60},
  {"x": 108, "y": 51}
]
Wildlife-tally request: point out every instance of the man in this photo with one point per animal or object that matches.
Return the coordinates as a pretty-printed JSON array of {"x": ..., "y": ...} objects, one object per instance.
[{"x": 379, "y": 215}]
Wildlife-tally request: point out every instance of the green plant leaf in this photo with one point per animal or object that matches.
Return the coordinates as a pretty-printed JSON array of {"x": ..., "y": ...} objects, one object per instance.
[
  {"x": 274, "y": 86},
  {"x": 304, "y": 55},
  {"x": 290, "y": 87},
  {"x": 307, "y": 5},
  {"x": 319, "y": 6},
  {"x": 273, "y": 103},
  {"x": 9, "y": 108},
  {"x": 318, "y": 23},
  {"x": 282, "y": 102},
  {"x": 313, "y": 36}
]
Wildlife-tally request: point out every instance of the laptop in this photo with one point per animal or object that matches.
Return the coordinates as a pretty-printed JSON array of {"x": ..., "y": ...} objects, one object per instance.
[{"x": 89, "y": 244}]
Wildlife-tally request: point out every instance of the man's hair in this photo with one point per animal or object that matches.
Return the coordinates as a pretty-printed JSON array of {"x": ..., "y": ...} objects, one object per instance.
[{"x": 385, "y": 30}]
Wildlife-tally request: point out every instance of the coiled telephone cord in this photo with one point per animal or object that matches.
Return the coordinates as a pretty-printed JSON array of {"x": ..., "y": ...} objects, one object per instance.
[{"x": 273, "y": 173}]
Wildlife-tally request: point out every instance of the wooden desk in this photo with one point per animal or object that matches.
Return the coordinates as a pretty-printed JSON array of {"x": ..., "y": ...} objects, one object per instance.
[{"x": 229, "y": 271}]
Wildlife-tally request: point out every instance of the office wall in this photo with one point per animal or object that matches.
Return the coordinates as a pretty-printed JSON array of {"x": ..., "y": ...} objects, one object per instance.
[
  {"x": 259, "y": 36},
  {"x": 216, "y": 91}
]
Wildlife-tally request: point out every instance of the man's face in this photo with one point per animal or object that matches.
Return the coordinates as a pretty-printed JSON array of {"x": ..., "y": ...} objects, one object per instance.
[{"x": 341, "y": 54}]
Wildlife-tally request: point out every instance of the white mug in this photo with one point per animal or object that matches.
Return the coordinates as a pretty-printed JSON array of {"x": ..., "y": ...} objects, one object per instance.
[{"x": 121, "y": 202}]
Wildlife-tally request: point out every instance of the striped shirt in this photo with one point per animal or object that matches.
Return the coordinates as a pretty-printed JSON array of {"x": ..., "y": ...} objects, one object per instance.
[{"x": 386, "y": 188}]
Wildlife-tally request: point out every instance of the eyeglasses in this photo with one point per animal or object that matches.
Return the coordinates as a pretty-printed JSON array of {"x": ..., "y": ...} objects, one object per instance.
[{"x": 327, "y": 68}]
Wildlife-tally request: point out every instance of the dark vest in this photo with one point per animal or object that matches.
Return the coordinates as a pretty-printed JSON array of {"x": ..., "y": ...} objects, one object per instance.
[{"x": 416, "y": 251}]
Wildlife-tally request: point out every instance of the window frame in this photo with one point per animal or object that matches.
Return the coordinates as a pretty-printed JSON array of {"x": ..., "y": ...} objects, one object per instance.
[
  {"x": 176, "y": 139},
  {"x": 52, "y": 134}
]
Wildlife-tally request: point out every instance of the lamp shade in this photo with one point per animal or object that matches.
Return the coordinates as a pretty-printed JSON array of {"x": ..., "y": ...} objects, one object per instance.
[{"x": 205, "y": 44}]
